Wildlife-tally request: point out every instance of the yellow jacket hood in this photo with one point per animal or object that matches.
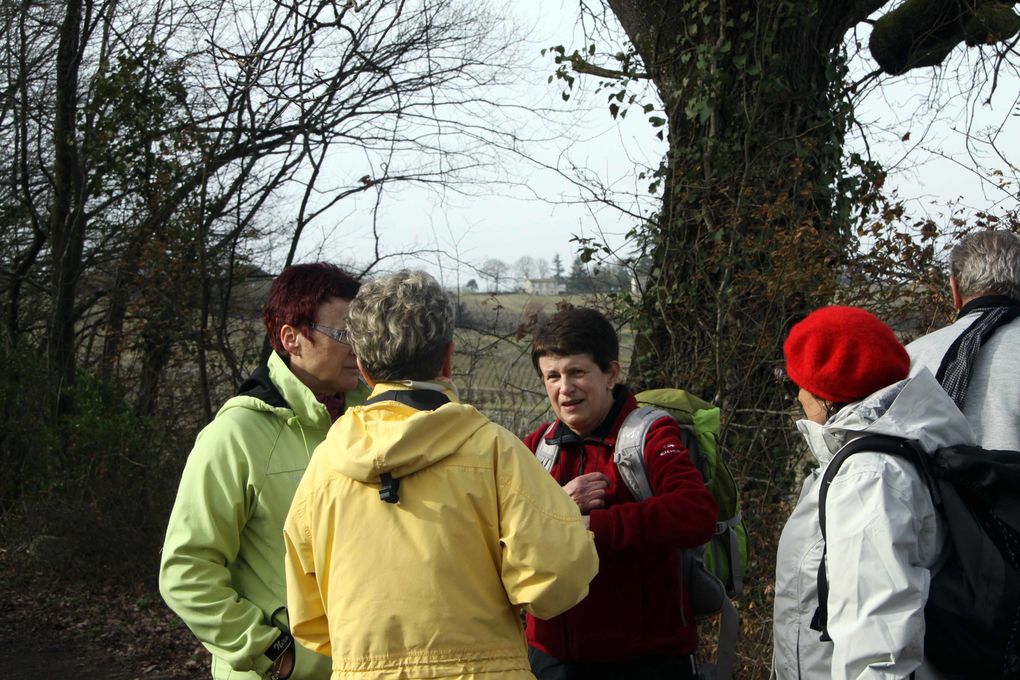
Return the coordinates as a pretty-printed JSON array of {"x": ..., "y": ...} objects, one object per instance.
[{"x": 388, "y": 436}]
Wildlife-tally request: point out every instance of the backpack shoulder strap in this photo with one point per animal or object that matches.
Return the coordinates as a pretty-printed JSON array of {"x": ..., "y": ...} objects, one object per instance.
[
  {"x": 629, "y": 454},
  {"x": 545, "y": 452},
  {"x": 877, "y": 443}
]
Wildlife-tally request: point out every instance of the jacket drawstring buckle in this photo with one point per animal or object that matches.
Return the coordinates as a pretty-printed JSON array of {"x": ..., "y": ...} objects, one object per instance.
[{"x": 388, "y": 488}]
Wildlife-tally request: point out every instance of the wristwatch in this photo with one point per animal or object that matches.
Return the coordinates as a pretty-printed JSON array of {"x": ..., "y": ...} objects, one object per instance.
[{"x": 276, "y": 654}]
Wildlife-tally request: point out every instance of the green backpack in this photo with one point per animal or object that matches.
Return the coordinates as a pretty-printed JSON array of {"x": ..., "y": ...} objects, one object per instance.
[{"x": 726, "y": 554}]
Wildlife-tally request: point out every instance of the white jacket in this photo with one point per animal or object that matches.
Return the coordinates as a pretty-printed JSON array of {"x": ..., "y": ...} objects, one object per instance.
[
  {"x": 992, "y": 404},
  {"x": 883, "y": 539}
]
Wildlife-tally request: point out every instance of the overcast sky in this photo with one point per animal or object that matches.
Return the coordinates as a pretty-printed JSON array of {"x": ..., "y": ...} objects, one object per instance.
[{"x": 537, "y": 212}]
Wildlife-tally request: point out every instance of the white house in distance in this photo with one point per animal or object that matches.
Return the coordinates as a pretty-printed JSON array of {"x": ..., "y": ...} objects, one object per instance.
[{"x": 544, "y": 287}]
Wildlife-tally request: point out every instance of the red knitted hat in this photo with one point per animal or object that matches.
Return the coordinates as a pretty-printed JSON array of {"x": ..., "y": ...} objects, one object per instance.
[{"x": 843, "y": 354}]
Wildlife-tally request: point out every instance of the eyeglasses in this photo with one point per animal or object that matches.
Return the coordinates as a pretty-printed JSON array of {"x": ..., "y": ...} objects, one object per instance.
[
  {"x": 780, "y": 376},
  {"x": 335, "y": 334}
]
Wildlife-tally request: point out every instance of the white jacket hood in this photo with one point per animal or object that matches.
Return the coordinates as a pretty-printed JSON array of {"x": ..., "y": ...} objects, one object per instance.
[{"x": 915, "y": 408}]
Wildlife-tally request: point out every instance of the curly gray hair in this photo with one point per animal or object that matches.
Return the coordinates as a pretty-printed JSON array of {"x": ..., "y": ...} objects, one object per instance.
[
  {"x": 987, "y": 263},
  {"x": 400, "y": 326}
]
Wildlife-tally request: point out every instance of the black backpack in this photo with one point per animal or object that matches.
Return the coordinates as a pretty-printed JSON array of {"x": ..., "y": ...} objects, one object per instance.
[{"x": 972, "y": 616}]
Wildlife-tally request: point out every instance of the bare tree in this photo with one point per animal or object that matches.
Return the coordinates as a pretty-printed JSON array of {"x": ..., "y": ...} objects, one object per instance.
[
  {"x": 542, "y": 267},
  {"x": 495, "y": 271},
  {"x": 149, "y": 175},
  {"x": 524, "y": 268}
]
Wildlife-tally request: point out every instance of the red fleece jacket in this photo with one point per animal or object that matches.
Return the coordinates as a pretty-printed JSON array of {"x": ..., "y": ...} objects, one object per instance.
[{"x": 633, "y": 606}]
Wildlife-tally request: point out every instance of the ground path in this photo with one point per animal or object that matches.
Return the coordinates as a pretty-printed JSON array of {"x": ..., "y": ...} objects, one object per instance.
[
  {"x": 54, "y": 626},
  {"x": 35, "y": 659}
]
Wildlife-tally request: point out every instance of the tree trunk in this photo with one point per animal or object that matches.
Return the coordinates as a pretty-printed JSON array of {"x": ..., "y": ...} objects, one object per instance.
[
  {"x": 751, "y": 231},
  {"x": 156, "y": 351},
  {"x": 67, "y": 217},
  {"x": 21, "y": 182},
  {"x": 751, "y": 225},
  {"x": 121, "y": 288}
]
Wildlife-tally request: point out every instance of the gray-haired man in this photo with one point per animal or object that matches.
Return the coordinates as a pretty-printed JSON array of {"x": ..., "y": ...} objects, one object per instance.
[{"x": 977, "y": 359}]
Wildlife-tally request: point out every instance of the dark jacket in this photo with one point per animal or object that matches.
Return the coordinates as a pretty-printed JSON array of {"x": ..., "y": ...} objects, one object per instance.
[{"x": 632, "y": 607}]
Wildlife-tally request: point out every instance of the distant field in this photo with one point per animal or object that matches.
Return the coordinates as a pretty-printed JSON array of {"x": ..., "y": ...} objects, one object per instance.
[
  {"x": 518, "y": 303},
  {"x": 492, "y": 367}
]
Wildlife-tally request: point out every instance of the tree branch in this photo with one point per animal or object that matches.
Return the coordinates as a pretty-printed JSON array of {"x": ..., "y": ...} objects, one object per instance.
[{"x": 579, "y": 65}]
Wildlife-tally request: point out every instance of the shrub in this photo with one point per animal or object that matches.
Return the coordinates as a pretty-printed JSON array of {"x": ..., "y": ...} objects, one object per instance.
[{"x": 98, "y": 479}]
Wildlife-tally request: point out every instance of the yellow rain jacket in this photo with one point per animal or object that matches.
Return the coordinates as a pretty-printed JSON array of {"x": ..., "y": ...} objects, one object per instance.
[{"x": 430, "y": 586}]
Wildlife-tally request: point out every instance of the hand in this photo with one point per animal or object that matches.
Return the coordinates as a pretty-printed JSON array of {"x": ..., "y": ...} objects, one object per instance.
[{"x": 588, "y": 491}]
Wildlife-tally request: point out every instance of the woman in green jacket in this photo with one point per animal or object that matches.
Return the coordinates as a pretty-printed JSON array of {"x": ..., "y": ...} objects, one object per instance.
[{"x": 222, "y": 562}]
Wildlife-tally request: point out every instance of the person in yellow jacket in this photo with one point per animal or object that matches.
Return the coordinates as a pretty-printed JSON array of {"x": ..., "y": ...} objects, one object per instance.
[
  {"x": 222, "y": 563},
  {"x": 422, "y": 528}
]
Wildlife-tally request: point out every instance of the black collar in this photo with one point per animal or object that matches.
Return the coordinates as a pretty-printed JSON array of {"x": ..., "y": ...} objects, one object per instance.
[
  {"x": 420, "y": 399},
  {"x": 564, "y": 435},
  {"x": 987, "y": 302},
  {"x": 259, "y": 385}
]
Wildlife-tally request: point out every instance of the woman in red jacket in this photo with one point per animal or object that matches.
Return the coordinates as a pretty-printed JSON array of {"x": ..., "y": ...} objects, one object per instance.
[{"x": 636, "y": 621}]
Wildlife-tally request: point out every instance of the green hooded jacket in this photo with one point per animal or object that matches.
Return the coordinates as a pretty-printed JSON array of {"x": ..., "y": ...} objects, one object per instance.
[{"x": 222, "y": 563}]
